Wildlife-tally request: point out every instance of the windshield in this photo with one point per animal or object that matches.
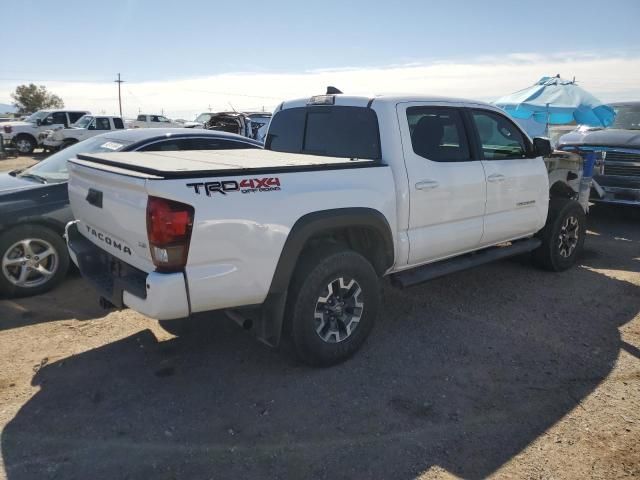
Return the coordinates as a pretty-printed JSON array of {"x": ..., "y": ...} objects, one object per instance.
[
  {"x": 203, "y": 117},
  {"x": 83, "y": 122},
  {"x": 54, "y": 168},
  {"x": 627, "y": 117},
  {"x": 36, "y": 116}
]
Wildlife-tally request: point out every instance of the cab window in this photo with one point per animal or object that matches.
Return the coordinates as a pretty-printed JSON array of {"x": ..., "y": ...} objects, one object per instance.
[
  {"x": 499, "y": 137},
  {"x": 438, "y": 134},
  {"x": 102, "y": 123},
  {"x": 56, "y": 118}
]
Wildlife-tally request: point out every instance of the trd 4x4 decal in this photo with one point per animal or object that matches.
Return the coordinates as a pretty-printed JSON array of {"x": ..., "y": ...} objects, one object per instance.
[{"x": 247, "y": 185}]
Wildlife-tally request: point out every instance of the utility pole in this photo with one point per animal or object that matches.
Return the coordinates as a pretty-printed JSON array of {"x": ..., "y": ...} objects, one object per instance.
[{"x": 119, "y": 82}]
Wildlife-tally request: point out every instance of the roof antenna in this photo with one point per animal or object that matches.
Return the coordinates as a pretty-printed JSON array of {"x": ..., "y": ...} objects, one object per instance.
[{"x": 332, "y": 90}]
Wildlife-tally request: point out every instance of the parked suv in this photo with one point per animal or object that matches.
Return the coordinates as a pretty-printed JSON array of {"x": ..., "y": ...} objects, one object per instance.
[
  {"x": 617, "y": 173},
  {"x": 25, "y": 135}
]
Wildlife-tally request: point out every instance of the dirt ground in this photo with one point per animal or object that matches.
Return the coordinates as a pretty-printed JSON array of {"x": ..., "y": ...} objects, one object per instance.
[{"x": 502, "y": 371}]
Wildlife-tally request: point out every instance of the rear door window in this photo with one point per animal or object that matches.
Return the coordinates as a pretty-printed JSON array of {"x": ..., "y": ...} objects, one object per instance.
[
  {"x": 334, "y": 131},
  {"x": 438, "y": 134},
  {"x": 117, "y": 122},
  {"x": 75, "y": 116},
  {"x": 102, "y": 123}
]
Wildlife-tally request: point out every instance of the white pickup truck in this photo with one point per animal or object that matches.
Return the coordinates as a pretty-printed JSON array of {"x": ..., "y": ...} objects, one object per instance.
[
  {"x": 86, "y": 127},
  {"x": 154, "y": 121},
  {"x": 27, "y": 135},
  {"x": 294, "y": 239}
]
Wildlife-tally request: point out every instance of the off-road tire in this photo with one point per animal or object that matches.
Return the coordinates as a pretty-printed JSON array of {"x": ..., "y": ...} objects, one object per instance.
[
  {"x": 317, "y": 270},
  {"x": 37, "y": 233},
  {"x": 553, "y": 255}
]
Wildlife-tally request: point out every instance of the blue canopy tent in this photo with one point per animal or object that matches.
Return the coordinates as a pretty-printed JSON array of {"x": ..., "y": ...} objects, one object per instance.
[{"x": 556, "y": 101}]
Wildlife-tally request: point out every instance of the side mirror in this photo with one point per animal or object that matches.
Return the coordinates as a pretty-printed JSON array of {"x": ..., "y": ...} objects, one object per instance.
[
  {"x": 542, "y": 147},
  {"x": 38, "y": 122},
  {"x": 91, "y": 127}
]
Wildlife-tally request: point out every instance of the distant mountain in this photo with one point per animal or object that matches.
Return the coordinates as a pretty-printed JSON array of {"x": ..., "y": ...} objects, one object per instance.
[{"x": 6, "y": 108}]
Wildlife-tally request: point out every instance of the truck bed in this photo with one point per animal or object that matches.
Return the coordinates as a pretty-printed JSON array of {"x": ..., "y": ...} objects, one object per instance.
[{"x": 194, "y": 163}]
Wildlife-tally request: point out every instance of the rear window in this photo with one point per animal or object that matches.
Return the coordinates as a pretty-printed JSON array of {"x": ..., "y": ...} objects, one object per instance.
[{"x": 334, "y": 131}]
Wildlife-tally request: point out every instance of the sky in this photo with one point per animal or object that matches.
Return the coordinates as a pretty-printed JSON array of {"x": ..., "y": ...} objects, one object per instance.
[{"x": 183, "y": 58}]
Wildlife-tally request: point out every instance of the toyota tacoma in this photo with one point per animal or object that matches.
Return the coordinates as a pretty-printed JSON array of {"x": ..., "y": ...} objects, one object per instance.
[{"x": 292, "y": 241}]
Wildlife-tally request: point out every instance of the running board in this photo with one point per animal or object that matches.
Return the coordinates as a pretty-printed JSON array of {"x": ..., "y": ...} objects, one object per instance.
[{"x": 456, "y": 264}]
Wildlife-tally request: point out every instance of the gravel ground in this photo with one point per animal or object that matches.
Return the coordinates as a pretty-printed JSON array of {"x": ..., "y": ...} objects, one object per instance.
[{"x": 502, "y": 371}]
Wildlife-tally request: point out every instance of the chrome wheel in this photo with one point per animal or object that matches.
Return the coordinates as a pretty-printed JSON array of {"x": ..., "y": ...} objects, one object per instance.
[
  {"x": 30, "y": 263},
  {"x": 24, "y": 145},
  {"x": 339, "y": 310},
  {"x": 569, "y": 236}
]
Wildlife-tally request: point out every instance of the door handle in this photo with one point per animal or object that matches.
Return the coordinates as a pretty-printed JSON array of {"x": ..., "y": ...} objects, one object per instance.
[
  {"x": 496, "y": 177},
  {"x": 426, "y": 185}
]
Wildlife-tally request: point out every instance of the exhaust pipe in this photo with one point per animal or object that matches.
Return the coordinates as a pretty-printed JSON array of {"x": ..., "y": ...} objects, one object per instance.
[{"x": 245, "y": 323}]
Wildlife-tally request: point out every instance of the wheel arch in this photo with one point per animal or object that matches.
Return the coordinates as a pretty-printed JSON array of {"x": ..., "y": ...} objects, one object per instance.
[
  {"x": 49, "y": 223},
  {"x": 337, "y": 225},
  {"x": 561, "y": 189}
]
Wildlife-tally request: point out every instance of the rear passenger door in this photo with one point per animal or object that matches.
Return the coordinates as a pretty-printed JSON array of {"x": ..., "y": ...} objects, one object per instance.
[
  {"x": 517, "y": 185},
  {"x": 446, "y": 183}
]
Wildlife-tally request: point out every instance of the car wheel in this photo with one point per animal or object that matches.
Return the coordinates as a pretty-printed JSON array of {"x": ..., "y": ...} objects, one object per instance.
[
  {"x": 562, "y": 237},
  {"x": 334, "y": 301},
  {"x": 33, "y": 260},
  {"x": 25, "y": 144}
]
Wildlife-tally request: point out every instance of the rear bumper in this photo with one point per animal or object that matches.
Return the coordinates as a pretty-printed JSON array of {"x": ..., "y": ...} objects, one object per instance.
[{"x": 162, "y": 296}]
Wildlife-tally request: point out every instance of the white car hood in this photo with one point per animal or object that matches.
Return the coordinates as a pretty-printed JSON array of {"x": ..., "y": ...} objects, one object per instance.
[{"x": 17, "y": 124}]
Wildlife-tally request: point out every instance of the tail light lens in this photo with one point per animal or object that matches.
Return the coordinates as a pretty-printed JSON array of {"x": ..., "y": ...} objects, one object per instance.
[
  {"x": 169, "y": 226},
  {"x": 8, "y": 129}
]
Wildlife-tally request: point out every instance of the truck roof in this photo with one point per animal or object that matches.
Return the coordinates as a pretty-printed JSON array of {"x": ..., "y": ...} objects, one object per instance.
[{"x": 364, "y": 100}]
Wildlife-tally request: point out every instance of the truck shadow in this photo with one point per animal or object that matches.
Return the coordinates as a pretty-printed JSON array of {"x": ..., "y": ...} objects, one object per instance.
[
  {"x": 463, "y": 373},
  {"x": 75, "y": 299}
]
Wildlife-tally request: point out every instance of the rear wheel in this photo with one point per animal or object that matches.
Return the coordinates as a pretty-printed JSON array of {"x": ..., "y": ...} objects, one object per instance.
[
  {"x": 562, "y": 237},
  {"x": 335, "y": 299},
  {"x": 33, "y": 260}
]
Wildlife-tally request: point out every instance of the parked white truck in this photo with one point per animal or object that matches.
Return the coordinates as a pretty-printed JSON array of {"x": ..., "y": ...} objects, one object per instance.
[
  {"x": 86, "y": 127},
  {"x": 154, "y": 121},
  {"x": 294, "y": 239},
  {"x": 26, "y": 135}
]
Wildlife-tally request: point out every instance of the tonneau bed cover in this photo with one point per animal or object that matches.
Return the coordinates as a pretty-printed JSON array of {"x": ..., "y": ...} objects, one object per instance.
[{"x": 193, "y": 163}]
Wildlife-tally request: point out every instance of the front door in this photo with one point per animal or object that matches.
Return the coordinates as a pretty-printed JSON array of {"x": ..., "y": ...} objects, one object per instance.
[
  {"x": 517, "y": 185},
  {"x": 447, "y": 190}
]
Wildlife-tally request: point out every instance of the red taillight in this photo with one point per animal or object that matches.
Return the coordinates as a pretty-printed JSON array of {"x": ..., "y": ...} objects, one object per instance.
[
  {"x": 8, "y": 129},
  {"x": 169, "y": 231}
]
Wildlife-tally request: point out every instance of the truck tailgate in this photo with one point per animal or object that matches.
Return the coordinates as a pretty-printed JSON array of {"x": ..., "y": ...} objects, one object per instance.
[{"x": 111, "y": 210}]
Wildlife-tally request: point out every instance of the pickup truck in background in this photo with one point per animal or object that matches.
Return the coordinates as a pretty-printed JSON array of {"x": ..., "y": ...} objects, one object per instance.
[
  {"x": 154, "y": 121},
  {"x": 86, "y": 127},
  {"x": 26, "y": 135},
  {"x": 293, "y": 240},
  {"x": 617, "y": 173}
]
